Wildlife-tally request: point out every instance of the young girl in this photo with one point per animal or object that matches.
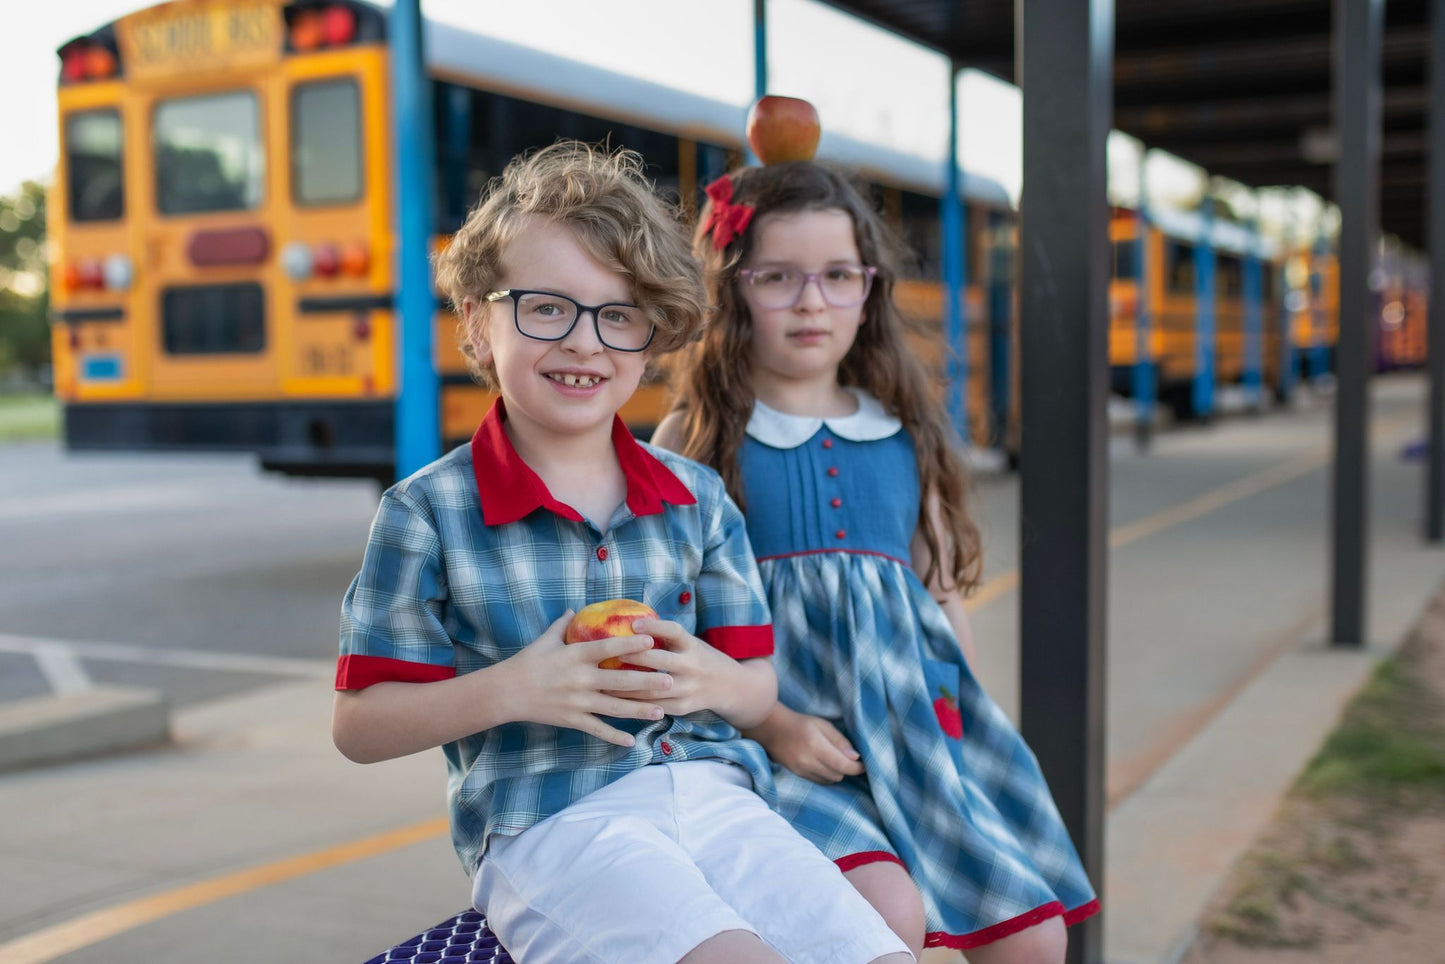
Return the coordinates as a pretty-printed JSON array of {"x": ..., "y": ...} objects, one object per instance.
[{"x": 803, "y": 394}]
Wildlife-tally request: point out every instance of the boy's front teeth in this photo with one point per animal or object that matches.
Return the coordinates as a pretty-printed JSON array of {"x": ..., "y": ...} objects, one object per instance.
[{"x": 575, "y": 381}]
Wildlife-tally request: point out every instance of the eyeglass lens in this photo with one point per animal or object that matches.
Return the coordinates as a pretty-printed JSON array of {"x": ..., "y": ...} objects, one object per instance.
[
  {"x": 550, "y": 317},
  {"x": 842, "y": 286}
]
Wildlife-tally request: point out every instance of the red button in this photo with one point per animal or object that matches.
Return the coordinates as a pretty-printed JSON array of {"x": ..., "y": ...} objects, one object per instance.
[
  {"x": 827, "y": 443},
  {"x": 602, "y": 554},
  {"x": 833, "y": 471},
  {"x": 666, "y": 748},
  {"x": 841, "y": 534},
  {"x": 684, "y": 598},
  {"x": 836, "y": 503}
]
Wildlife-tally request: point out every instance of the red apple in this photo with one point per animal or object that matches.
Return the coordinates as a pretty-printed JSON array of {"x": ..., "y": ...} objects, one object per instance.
[
  {"x": 610, "y": 618},
  {"x": 783, "y": 129}
]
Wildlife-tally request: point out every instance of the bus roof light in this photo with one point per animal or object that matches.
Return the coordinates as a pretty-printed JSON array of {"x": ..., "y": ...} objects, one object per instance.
[
  {"x": 72, "y": 63},
  {"x": 308, "y": 31},
  {"x": 338, "y": 25},
  {"x": 99, "y": 63}
]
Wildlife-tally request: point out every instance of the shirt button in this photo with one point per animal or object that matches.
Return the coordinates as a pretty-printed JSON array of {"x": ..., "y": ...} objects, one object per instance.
[
  {"x": 833, "y": 471},
  {"x": 684, "y": 597},
  {"x": 841, "y": 534},
  {"x": 666, "y": 748},
  {"x": 601, "y": 553},
  {"x": 827, "y": 443},
  {"x": 836, "y": 503}
]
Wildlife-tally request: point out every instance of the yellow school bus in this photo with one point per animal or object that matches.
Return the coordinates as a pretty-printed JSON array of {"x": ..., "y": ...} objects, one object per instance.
[{"x": 223, "y": 222}]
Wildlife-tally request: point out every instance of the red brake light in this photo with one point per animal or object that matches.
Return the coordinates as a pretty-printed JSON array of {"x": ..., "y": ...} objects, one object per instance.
[
  {"x": 327, "y": 260},
  {"x": 91, "y": 273},
  {"x": 338, "y": 25}
]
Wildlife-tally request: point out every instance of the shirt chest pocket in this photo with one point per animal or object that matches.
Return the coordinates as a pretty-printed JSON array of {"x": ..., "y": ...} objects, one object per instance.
[{"x": 674, "y": 601}]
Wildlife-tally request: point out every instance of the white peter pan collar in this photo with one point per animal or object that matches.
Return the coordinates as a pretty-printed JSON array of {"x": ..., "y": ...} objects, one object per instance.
[{"x": 783, "y": 431}]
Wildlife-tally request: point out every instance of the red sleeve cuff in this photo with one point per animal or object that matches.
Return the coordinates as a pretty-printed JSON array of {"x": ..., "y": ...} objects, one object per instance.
[
  {"x": 741, "y": 642},
  {"x": 359, "y": 672}
]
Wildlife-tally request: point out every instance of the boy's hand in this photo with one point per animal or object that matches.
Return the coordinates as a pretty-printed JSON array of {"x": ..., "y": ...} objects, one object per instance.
[
  {"x": 561, "y": 685},
  {"x": 703, "y": 678},
  {"x": 810, "y": 746}
]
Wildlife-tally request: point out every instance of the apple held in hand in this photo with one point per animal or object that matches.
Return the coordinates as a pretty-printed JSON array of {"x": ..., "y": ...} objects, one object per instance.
[
  {"x": 610, "y": 618},
  {"x": 783, "y": 129}
]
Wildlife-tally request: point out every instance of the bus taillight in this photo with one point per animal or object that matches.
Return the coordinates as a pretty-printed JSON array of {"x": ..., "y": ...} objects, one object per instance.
[
  {"x": 82, "y": 60},
  {"x": 355, "y": 259}
]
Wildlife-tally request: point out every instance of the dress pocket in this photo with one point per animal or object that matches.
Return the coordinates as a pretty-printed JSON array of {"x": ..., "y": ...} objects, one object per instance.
[{"x": 942, "y": 681}]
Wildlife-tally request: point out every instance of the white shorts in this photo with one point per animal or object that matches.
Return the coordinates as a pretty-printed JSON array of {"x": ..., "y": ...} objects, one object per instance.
[{"x": 650, "y": 866}]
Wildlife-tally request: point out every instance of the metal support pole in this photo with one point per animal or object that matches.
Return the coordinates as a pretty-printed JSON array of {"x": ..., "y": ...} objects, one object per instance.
[
  {"x": 955, "y": 321},
  {"x": 1435, "y": 235},
  {"x": 1358, "y": 28},
  {"x": 1253, "y": 291},
  {"x": 1000, "y": 310},
  {"x": 418, "y": 417},
  {"x": 1204, "y": 327},
  {"x": 760, "y": 61},
  {"x": 1145, "y": 380},
  {"x": 1065, "y": 57}
]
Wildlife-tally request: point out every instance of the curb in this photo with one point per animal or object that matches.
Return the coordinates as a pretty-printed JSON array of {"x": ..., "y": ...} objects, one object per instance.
[{"x": 87, "y": 723}]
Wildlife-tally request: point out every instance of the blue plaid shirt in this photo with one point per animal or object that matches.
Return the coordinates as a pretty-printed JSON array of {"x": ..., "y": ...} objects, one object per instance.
[{"x": 471, "y": 559}]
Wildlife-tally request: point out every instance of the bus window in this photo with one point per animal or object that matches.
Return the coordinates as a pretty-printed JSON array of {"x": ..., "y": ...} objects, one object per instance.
[
  {"x": 1179, "y": 265},
  {"x": 1229, "y": 276},
  {"x": 208, "y": 154},
  {"x": 1126, "y": 258},
  {"x": 326, "y": 142},
  {"x": 93, "y": 159}
]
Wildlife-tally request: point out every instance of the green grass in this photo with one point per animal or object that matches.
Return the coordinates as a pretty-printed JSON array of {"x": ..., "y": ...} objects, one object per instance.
[
  {"x": 1387, "y": 756},
  {"x": 1391, "y": 741},
  {"x": 28, "y": 417}
]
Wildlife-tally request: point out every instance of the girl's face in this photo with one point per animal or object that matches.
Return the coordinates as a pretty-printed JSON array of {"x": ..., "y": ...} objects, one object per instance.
[
  {"x": 555, "y": 389},
  {"x": 807, "y": 340}
]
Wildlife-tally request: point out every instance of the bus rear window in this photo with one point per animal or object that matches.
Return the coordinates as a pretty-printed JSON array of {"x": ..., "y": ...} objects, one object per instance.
[
  {"x": 93, "y": 165},
  {"x": 208, "y": 154},
  {"x": 325, "y": 143}
]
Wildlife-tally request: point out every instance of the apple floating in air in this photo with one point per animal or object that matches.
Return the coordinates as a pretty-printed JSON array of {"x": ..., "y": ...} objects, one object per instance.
[
  {"x": 783, "y": 129},
  {"x": 610, "y": 618}
]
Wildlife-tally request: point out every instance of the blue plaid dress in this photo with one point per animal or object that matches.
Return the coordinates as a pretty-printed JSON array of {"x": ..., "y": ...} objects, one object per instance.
[{"x": 951, "y": 791}]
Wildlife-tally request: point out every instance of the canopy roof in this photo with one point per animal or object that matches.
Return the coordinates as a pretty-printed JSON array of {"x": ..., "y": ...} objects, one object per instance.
[{"x": 1240, "y": 87}]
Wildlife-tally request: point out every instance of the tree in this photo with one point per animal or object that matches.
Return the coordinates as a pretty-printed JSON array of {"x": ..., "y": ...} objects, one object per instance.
[{"x": 24, "y": 283}]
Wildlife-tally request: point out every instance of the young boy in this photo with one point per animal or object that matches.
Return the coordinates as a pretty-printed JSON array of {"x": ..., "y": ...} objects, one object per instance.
[{"x": 604, "y": 814}]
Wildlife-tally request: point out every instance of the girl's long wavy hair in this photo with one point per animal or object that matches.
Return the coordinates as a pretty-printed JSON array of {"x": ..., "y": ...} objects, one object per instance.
[{"x": 713, "y": 379}]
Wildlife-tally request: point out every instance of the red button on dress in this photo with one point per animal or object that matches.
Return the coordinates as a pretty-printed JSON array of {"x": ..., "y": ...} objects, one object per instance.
[
  {"x": 602, "y": 554},
  {"x": 841, "y": 534},
  {"x": 827, "y": 443},
  {"x": 833, "y": 471},
  {"x": 836, "y": 503},
  {"x": 666, "y": 748},
  {"x": 684, "y": 598}
]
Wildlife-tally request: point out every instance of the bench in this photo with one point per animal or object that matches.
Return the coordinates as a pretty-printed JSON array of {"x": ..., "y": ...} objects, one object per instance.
[{"x": 463, "y": 938}]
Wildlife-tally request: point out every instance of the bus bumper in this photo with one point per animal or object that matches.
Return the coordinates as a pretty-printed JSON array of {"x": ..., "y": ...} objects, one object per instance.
[{"x": 299, "y": 438}]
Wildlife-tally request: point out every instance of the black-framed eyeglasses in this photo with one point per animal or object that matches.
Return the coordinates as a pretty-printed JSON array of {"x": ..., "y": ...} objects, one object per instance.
[
  {"x": 778, "y": 286},
  {"x": 548, "y": 316}
]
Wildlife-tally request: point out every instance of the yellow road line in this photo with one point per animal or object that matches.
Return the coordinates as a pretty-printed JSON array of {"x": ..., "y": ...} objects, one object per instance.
[
  {"x": 1260, "y": 481},
  {"x": 72, "y": 935}
]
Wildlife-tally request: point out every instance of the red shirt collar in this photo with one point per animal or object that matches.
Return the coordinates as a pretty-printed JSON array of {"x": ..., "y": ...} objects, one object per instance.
[{"x": 510, "y": 490}]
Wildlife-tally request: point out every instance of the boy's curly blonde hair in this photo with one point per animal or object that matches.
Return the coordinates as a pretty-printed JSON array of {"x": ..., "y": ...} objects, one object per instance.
[{"x": 617, "y": 217}]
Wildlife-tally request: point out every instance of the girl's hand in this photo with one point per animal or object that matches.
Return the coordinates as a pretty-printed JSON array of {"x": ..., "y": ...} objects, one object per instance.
[
  {"x": 558, "y": 684},
  {"x": 810, "y": 746}
]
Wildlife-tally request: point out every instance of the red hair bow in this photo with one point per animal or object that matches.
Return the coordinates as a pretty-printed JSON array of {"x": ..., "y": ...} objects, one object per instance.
[{"x": 726, "y": 220}]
